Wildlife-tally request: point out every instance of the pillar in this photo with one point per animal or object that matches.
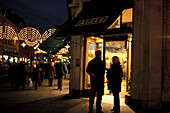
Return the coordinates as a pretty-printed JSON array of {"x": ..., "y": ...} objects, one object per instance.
[
  {"x": 76, "y": 66},
  {"x": 147, "y": 53}
]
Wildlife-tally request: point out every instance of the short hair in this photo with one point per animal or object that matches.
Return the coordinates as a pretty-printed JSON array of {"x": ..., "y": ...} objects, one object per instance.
[{"x": 98, "y": 53}]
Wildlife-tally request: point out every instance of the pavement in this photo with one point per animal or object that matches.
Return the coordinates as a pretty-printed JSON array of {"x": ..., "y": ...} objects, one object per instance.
[{"x": 50, "y": 100}]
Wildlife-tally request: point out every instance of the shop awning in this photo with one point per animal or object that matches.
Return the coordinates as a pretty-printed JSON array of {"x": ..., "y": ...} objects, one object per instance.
[
  {"x": 53, "y": 44},
  {"x": 96, "y": 17}
]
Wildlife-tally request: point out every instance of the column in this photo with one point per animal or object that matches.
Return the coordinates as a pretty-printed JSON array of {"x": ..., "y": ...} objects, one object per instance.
[
  {"x": 147, "y": 53},
  {"x": 76, "y": 66}
]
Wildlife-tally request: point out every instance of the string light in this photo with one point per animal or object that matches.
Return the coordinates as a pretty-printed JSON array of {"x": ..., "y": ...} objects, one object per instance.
[
  {"x": 1, "y": 32},
  {"x": 48, "y": 33}
]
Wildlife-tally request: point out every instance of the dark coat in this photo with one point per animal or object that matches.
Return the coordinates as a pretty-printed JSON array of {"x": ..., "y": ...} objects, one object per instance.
[
  {"x": 36, "y": 74},
  {"x": 22, "y": 73},
  {"x": 61, "y": 69},
  {"x": 97, "y": 67},
  {"x": 51, "y": 72},
  {"x": 114, "y": 76}
]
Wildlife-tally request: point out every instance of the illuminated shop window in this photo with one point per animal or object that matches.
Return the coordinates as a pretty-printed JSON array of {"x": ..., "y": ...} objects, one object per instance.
[
  {"x": 92, "y": 44},
  {"x": 127, "y": 15}
]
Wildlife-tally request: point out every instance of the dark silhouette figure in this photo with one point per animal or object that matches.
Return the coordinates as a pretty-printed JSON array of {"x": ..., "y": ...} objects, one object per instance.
[
  {"x": 22, "y": 74},
  {"x": 114, "y": 76},
  {"x": 51, "y": 73},
  {"x": 61, "y": 70},
  {"x": 13, "y": 72},
  {"x": 42, "y": 69},
  {"x": 37, "y": 76},
  {"x": 96, "y": 70}
]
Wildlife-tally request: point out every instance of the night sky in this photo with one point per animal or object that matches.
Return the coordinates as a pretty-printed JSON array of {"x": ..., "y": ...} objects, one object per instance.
[{"x": 40, "y": 14}]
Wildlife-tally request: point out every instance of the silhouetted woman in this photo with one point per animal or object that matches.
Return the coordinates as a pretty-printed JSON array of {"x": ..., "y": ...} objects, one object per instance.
[{"x": 114, "y": 76}]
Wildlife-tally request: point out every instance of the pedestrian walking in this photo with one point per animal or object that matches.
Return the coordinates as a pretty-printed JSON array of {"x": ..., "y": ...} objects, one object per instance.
[
  {"x": 51, "y": 73},
  {"x": 114, "y": 76},
  {"x": 61, "y": 70},
  {"x": 36, "y": 76},
  {"x": 96, "y": 70},
  {"x": 22, "y": 74},
  {"x": 13, "y": 73},
  {"x": 42, "y": 69}
]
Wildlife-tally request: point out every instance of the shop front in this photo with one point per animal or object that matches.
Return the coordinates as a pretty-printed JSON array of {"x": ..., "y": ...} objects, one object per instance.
[
  {"x": 94, "y": 29},
  {"x": 110, "y": 46}
]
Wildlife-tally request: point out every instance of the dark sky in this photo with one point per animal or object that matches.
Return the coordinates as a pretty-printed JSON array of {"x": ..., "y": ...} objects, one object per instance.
[{"x": 40, "y": 14}]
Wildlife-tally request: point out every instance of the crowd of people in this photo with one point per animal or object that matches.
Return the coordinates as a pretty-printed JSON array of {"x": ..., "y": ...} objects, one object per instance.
[{"x": 23, "y": 74}]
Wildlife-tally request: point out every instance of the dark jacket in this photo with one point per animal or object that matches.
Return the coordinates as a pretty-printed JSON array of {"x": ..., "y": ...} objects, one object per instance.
[
  {"x": 61, "y": 69},
  {"x": 97, "y": 67},
  {"x": 51, "y": 72},
  {"x": 36, "y": 74},
  {"x": 114, "y": 76},
  {"x": 22, "y": 73}
]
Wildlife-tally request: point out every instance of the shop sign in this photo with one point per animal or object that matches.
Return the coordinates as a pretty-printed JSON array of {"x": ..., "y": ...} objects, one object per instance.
[{"x": 92, "y": 21}]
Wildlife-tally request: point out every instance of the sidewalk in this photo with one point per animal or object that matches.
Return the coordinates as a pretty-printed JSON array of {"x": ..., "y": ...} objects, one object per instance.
[{"x": 49, "y": 100}]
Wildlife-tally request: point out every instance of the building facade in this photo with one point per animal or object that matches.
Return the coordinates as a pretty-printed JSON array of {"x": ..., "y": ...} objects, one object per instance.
[
  {"x": 10, "y": 26},
  {"x": 147, "y": 58}
]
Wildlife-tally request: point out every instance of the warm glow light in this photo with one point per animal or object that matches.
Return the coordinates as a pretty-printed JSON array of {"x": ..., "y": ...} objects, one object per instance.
[
  {"x": 92, "y": 37},
  {"x": 67, "y": 46},
  {"x": 23, "y": 45},
  {"x": 35, "y": 47},
  {"x": 29, "y": 43},
  {"x": 15, "y": 38},
  {"x": 1, "y": 32}
]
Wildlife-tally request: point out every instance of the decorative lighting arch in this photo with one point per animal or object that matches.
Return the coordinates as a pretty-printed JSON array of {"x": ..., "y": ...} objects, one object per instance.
[
  {"x": 47, "y": 33},
  {"x": 1, "y": 32},
  {"x": 29, "y": 33},
  {"x": 9, "y": 33}
]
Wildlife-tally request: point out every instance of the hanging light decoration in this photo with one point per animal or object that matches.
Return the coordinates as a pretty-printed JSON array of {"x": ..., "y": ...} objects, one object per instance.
[
  {"x": 67, "y": 46},
  {"x": 23, "y": 45},
  {"x": 47, "y": 34}
]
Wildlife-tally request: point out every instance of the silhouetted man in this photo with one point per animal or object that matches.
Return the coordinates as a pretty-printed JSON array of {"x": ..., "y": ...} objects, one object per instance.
[
  {"x": 61, "y": 70},
  {"x": 96, "y": 70}
]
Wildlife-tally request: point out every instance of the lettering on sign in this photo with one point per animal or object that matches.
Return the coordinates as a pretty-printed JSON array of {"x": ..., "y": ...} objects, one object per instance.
[{"x": 92, "y": 21}]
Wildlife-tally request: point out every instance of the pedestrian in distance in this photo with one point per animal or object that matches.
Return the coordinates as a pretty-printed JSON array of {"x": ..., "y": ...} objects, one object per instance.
[
  {"x": 22, "y": 74},
  {"x": 42, "y": 70},
  {"x": 12, "y": 73},
  {"x": 96, "y": 70},
  {"x": 114, "y": 76},
  {"x": 61, "y": 70},
  {"x": 51, "y": 73},
  {"x": 36, "y": 76}
]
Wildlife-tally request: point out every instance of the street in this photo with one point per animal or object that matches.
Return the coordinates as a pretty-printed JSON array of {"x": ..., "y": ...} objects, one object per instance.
[{"x": 49, "y": 100}]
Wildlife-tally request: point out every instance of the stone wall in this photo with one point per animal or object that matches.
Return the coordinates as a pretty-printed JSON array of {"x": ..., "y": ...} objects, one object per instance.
[{"x": 166, "y": 52}]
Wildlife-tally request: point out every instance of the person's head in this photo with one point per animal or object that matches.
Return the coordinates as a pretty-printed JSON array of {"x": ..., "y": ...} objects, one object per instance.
[
  {"x": 98, "y": 53},
  {"x": 115, "y": 60}
]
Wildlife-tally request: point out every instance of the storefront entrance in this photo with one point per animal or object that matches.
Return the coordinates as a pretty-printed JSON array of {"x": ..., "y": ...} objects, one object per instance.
[{"x": 109, "y": 48}]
